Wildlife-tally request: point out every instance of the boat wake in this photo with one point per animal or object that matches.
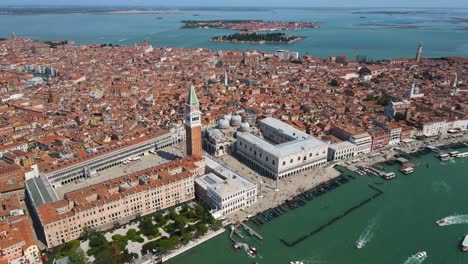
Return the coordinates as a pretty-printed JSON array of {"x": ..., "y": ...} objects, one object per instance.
[
  {"x": 367, "y": 235},
  {"x": 417, "y": 258},
  {"x": 441, "y": 186},
  {"x": 453, "y": 220}
]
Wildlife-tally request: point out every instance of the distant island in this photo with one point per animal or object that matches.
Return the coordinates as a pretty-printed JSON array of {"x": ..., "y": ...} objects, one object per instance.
[
  {"x": 248, "y": 25},
  {"x": 258, "y": 38}
]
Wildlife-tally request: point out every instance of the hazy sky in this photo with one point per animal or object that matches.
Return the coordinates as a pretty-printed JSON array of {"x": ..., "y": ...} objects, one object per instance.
[{"x": 260, "y": 3}]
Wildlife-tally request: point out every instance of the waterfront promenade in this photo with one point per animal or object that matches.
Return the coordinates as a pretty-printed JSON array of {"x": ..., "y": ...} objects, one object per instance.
[
  {"x": 149, "y": 259},
  {"x": 298, "y": 184},
  {"x": 269, "y": 197}
]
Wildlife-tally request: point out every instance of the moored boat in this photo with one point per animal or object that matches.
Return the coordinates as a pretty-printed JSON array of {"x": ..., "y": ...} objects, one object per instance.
[{"x": 252, "y": 251}]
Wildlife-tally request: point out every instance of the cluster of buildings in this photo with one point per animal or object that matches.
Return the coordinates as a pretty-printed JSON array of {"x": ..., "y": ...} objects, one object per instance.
[{"x": 94, "y": 107}]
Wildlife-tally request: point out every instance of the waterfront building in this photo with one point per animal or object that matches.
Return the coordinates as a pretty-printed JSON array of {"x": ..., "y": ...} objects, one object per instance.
[
  {"x": 226, "y": 195},
  {"x": 363, "y": 142},
  {"x": 341, "y": 150},
  {"x": 193, "y": 125},
  {"x": 17, "y": 240},
  {"x": 434, "y": 128},
  {"x": 360, "y": 138},
  {"x": 117, "y": 201},
  {"x": 379, "y": 138},
  {"x": 394, "y": 133},
  {"x": 281, "y": 150}
]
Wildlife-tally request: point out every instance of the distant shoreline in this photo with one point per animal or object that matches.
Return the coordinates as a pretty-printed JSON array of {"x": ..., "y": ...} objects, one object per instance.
[{"x": 256, "y": 42}]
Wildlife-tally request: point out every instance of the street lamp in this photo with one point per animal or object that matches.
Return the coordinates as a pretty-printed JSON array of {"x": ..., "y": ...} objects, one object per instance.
[{"x": 260, "y": 190}]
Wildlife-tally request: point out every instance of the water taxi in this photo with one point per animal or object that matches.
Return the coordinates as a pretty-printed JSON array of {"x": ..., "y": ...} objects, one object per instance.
[
  {"x": 360, "y": 244},
  {"x": 444, "y": 157},
  {"x": 421, "y": 255},
  {"x": 389, "y": 175}
]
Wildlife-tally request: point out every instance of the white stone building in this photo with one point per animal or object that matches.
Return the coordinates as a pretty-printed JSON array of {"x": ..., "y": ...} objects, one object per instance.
[
  {"x": 434, "y": 128},
  {"x": 363, "y": 143},
  {"x": 341, "y": 150},
  {"x": 226, "y": 195},
  {"x": 280, "y": 150}
]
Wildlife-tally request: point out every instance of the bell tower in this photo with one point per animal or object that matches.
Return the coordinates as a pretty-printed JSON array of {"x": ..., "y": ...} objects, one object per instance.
[{"x": 193, "y": 124}]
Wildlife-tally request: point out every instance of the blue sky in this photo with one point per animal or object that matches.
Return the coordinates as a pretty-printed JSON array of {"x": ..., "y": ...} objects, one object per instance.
[{"x": 259, "y": 3}]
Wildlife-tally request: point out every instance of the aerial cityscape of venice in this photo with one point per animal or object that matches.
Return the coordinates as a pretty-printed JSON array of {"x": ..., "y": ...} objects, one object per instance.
[{"x": 216, "y": 132}]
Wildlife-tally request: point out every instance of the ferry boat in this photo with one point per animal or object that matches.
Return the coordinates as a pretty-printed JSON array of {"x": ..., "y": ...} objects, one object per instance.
[
  {"x": 389, "y": 175},
  {"x": 407, "y": 171},
  {"x": 444, "y": 157},
  {"x": 360, "y": 244},
  {"x": 421, "y": 255},
  {"x": 462, "y": 155},
  {"x": 464, "y": 244}
]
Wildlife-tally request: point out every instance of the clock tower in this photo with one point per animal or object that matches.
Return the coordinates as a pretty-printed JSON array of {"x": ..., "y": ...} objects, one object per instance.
[{"x": 193, "y": 124}]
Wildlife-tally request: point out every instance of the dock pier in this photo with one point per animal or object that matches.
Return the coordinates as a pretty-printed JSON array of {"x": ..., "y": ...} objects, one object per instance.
[{"x": 251, "y": 230}]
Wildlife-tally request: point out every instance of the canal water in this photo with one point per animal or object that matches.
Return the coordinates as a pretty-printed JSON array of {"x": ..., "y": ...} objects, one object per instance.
[{"x": 395, "y": 225}]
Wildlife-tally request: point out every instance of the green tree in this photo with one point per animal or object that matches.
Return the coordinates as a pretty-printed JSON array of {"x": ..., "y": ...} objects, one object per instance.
[
  {"x": 97, "y": 240},
  {"x": 186, "y": 237},
  {"x": 384, "y": 100},
  {"x": 166, "y": 244},
  {"x": 334, "y": 83},
  {"x": 104, "y": 256},
  {"x": 128, "y": 257},
  {"x": 78, "y": 257},
  {"x": 399, "y": 116},
  {"x": 218, "y": 224},
  {"x": 201, "y": 229}
]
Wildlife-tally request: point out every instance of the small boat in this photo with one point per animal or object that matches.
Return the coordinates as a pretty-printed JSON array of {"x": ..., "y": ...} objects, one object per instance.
[
  {"x": 464, "y": 244},
  {"x": 296, "y": 262},
  {"x": 360, "y": 244},
  {"x": 237, "y": 246},
  {"x": 248, "y": 231},
  {"x": 442, "y": 222},
  {"x": 421, "y": 255},
  {"x": 252, "y": 251}
]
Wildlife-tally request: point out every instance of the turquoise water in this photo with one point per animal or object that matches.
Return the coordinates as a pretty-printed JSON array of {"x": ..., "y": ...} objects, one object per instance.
[
  {"x": 398, "y": 223},
  {"x": 440, "y": 30}
]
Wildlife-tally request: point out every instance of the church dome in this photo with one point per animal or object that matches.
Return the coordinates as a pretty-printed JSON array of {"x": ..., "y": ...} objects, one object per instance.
[
  {"x": 223, "y": 124},
  {"x": 228, "y": 117},
  {"x": 244, "y": 127},
  {"x": 236, "y": 120}
]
